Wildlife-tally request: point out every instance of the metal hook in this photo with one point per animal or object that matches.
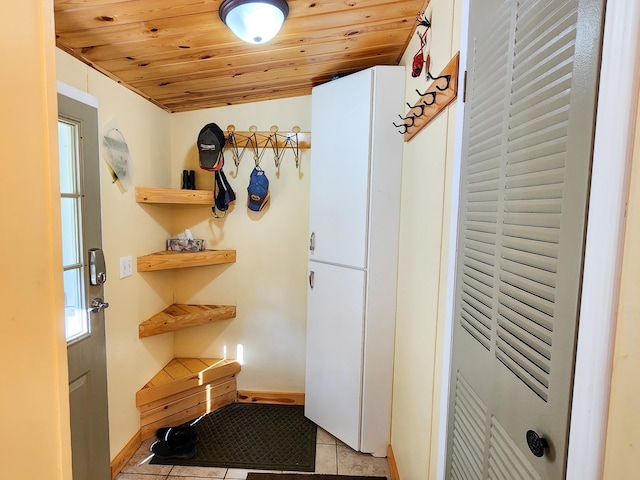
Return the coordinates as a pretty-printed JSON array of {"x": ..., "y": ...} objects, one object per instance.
[
  {"x": 448, "y": 78},
  {"x": 235, "y": 153},
  {"x": 406, "y": 127},
  {"x": 295, "y": 144},
  {"x": 420, "y": 106},
  {"x": 423, "y": 21},
  {"x": 273, "y": 141},
  {"x": 409, "y": 117},
  {"x": 425, "y": 94}
]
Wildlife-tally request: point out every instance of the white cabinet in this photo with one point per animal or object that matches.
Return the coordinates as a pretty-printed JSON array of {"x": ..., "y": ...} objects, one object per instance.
[
  {"x": 335, "y": 354},
  {"x": 355, "y": 177},
  {"x": 339, "y": 170}
]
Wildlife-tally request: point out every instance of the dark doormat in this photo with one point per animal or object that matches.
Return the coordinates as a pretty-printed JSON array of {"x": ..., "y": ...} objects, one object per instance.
[
  {"x": 254, "y": 436},
  {"x": 297, "y": 476}
]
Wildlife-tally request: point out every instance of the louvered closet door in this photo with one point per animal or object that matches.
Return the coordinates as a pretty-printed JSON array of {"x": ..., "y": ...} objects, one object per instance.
[{"x": 532, "y": 77}]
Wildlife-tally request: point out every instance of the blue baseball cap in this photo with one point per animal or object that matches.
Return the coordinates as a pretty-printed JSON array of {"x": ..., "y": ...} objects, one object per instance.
[{"x": 258, "y": 190}]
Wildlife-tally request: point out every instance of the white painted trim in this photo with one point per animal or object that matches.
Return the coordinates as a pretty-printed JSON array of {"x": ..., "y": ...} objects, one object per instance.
[
  {"x": 77, "y": 94},
  {"x": 453, "y": 235},
  {"x": 615, "y": 124}
]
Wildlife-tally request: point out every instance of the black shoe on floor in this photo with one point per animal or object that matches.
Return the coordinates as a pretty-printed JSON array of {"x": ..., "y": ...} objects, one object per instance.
[
  {"x": 164, "y": 450},
  {"x": 175, "y": 442},
  {"x": 181, "y": 434}
]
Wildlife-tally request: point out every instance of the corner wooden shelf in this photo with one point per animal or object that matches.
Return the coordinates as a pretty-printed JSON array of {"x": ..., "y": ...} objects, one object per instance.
[
  {"x": 167, "y": 259},
  {"x": 174, "y": 196},
  {"x": 179, "y": 316},
  {"x": 185, "y": 389}
]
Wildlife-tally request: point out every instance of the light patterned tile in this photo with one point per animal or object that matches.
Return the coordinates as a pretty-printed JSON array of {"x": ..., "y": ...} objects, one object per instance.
[
  {"x": 139, "y": 463},
  {"x": 326, "y": 461},
  {"x": 172, "y": 477},
  {"x": 351, "y": 462},
  {"x": 325, "y": 437},
  {"x": 240, "y": 474},
  {"x": 236, "y": 473},
  {"x": 140, "y": 476},
  {"x": 197, "y": 472}
]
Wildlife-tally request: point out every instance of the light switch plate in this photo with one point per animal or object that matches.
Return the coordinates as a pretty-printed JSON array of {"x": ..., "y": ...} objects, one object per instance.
[{"x": 126, "y": 266}]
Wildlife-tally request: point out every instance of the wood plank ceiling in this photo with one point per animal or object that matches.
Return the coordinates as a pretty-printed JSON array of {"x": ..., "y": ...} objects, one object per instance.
[{"x": 179, "y": 55}]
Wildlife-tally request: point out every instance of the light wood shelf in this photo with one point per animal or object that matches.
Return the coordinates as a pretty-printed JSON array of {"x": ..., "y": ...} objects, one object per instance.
[
  {"x": 179, "y": 316},
  {"x": 168, "y": 259},
  {"x": 174, "y": 196},
  {"x": 185, "y": 389}
]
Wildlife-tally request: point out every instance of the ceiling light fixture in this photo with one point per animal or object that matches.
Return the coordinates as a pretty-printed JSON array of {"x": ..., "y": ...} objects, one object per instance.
[{"x": 254, "y": 21}]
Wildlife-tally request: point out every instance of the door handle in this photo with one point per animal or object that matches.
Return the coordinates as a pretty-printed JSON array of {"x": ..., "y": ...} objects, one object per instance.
[
  {"x": 97, "y": 304},
  {"x": 312, "y": 275},
  {"x": 312, "y": 241},
  {"x": 536, "y": 443}
]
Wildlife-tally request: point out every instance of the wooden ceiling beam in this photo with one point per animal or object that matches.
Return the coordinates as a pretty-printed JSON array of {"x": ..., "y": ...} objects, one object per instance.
[
  {"x": 179, "y": 56},
  {"x": 219, "y": 69},
  {"x": 198, "y": 24},
  {"x": 262, "y": 78}
]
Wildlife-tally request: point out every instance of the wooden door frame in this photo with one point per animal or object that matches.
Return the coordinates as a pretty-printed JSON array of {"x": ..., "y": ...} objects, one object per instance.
[{"x": 613, "y": 148}]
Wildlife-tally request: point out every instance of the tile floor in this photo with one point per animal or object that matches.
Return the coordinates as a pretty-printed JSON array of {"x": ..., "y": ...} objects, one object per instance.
[{"x": 332, "y": 457}]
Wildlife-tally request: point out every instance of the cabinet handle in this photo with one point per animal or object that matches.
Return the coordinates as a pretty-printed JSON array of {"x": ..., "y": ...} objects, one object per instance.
[
  {"x": 312, "y": 241},
  {"x": 312, "y": 275}
]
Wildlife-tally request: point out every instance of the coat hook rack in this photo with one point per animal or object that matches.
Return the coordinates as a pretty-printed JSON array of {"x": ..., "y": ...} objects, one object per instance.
[
  {"x": 442, "y": 91},
  {"x": 259, "y": 141}
]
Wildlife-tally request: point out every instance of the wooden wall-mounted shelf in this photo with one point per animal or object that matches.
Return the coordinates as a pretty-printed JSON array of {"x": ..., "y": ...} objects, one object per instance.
[
  {"x": 259, "y": 141},
  {"x": 174, "y": 196},
  {"x": 264, "y": 138},
  {"x": 166, "y": 259},
  {"x": 179, "y": 316}
]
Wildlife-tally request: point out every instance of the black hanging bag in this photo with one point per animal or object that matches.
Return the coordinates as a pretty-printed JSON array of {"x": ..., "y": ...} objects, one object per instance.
[
  {"x": 223, "y": 193},
  {"x": 211, "y": 143}
]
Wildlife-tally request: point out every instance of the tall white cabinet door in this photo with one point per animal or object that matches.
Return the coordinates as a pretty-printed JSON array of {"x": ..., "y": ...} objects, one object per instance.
[
  {"x": 334, "y": 350},
  {"x": 340, "y": 170}
]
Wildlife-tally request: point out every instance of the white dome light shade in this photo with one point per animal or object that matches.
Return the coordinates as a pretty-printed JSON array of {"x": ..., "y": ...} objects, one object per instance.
[{"x": 254, "y": 21}]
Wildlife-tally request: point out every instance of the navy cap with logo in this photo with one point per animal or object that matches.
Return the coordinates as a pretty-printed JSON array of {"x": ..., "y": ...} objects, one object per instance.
[
  {"x": 210, "y": 144},
  {"x": 258, "y": 190}
]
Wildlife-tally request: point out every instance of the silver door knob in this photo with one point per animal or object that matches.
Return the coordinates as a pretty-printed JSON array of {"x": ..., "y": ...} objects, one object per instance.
[{"x": 97, "y": 304}]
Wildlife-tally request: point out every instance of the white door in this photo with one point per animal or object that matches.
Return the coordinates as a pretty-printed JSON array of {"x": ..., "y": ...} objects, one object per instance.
[
  {"x": 532, "y": 81},
  {"x": 84, "y": 275},
  {"x": 341, "y": 113},
  {"x": 335, "y": 331}
]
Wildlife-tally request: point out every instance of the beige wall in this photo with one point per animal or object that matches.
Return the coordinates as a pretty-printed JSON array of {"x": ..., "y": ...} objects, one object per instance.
[
  {"x": 423, "y": 262},
  {"x": 34, "y": 402},
  {"x": 623, "y": 435},
  {"x": 128, "y": 229},
  {"x": 267, "y": 283}
]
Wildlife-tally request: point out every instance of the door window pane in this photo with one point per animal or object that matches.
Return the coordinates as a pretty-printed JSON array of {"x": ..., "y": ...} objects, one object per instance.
[
  {"x": 70, "y": 246},
  {"x": 67, "y": 137},
  {"x": 75, "y": 312}
]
